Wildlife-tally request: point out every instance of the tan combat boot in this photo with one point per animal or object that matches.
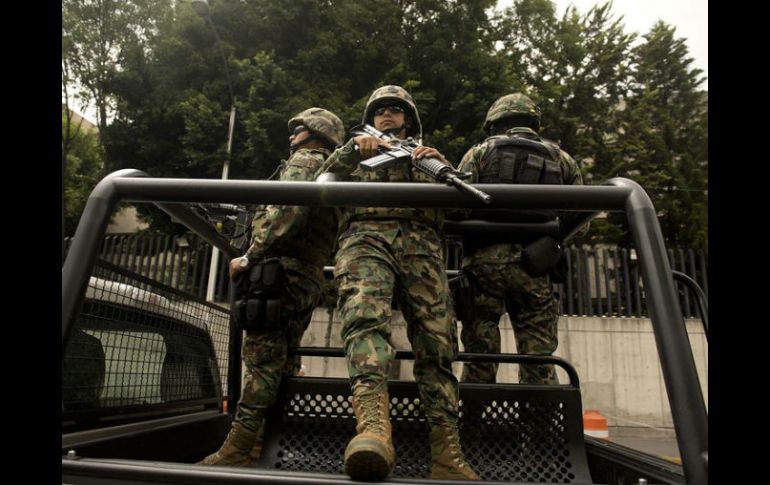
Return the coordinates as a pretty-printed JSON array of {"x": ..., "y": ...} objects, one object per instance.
[
  {"x": 447, "y": 456},
  {"x": 235, "y": 451},
  {"x": 370, "y": 454}
]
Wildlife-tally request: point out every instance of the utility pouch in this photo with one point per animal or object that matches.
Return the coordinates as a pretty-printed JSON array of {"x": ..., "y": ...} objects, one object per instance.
[
  {"x": 260, "y": 306},
  {"x": 462, "y": 296},
  {"x": 255, "y": 309},
  {"x": 531, "y": 170},
  {"x": 240, "y": 299},
  {"x": 267, "y": 277},
  {"x": 273, "y": 312},
  {"x": 552, "y": 173},
  {"x": 539, "y": 257}
]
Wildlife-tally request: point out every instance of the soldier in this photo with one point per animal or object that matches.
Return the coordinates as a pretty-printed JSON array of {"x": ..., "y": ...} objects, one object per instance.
[
  {"x": 387, "y": 252},
  {"x": 495, "y": 269},
  {"x": 300, "y": 240}
]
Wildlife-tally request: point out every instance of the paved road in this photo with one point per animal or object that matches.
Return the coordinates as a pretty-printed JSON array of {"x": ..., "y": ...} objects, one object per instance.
[{"x": 663, "y": 447}]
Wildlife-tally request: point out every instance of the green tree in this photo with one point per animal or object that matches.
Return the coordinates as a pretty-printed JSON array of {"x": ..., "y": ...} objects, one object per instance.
[
  {"x": 84, "y": 162},
  {"x": 95, "y": 37},
  {"x": 173, "y": 101},
  {"x": 576, "y": 67},
  {"x": 662, "y": 139},
  {"x": 453, "y": 69},
  {"x": 602, "y": 99},
  {"x": 619, "y": 110}
]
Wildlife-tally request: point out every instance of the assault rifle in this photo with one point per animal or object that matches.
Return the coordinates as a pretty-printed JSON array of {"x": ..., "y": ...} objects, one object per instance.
[{"x": 402, "y": 149}]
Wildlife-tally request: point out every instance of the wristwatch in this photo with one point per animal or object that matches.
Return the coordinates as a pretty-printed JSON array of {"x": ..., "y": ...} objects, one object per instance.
[{"x": 244, "y": 262}]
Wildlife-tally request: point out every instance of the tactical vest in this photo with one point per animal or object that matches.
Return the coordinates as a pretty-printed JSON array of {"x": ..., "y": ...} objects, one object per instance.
[
  {"x": 313, "y": 242},
  {"x": 518, "y": 160},
  {"x": 514, "y": 159},
  {"x": 403, "y": 172}
]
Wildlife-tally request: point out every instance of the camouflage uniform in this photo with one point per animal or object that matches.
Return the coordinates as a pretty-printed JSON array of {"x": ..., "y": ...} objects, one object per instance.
[
  {"x": 286, "y": 232},
  {"x": 387, "y": 252},
  {"x": 498, "y": 279},
  {"x": 303, "y": 239}
]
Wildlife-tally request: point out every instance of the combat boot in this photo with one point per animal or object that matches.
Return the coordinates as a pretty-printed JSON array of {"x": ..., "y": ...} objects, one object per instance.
[
  {"x": 447, "y": 456},
  {"x": 236, "y": 449},
  {"x": 370, "y": 454}
]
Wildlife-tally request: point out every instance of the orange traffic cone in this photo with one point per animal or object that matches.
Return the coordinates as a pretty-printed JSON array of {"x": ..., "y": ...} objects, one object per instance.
[{"x": 594, "y": 424}]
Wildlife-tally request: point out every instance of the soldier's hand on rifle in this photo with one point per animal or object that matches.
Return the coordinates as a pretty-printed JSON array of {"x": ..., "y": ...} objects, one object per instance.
[
  {"x": 369, "y": 146},
  {"x": 428, "y": 152}
]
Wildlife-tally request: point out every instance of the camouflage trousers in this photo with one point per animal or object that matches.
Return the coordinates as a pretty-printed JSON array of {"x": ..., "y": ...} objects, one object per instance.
[
  {"x": 533, "y": 311},
  {"x": 265, "y": 352},
  {"x": 370, "y": 271}
]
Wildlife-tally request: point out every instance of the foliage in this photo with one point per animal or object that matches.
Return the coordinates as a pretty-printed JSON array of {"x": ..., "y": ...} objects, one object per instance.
[
  {"x": 96, "y": 36},
  {"x": 621, "y": 105},
  {"x": 661, "y": 141},
  {"x": 84, "y": 161}
]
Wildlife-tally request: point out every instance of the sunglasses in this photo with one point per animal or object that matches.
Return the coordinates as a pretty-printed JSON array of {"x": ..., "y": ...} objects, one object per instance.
[
  {"x": 299, "y": 129},
  {"x": 393, "y": 109}
]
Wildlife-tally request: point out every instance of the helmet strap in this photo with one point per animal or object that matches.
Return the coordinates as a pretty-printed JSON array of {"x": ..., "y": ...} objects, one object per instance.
[
  {"x": 406, "y": 126},
  {"x": 295, "y": 146},
  {"x": 395, "y": 131}
]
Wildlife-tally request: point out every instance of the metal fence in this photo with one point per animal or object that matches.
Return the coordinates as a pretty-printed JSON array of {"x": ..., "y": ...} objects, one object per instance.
[
  {"x": 181, "y": 262},
  {"x": 601, "y": 281},
  {"x": 607, "y": 281},
  {"x": 139, "y": 343}
]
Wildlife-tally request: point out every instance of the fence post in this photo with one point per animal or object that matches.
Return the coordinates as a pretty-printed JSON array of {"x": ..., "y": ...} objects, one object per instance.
[
  {"x": 685, "y": 291},
  {"x": 704, "y": 273},
  {"x": 605, "y": 258},
  {"x": 186, "y": 270},
  {"x": 627, "y": 281},
  {"x": 580, "y": 280},
  {"x": 597, "y": 280},
  {"x": 569, "y": 295}
]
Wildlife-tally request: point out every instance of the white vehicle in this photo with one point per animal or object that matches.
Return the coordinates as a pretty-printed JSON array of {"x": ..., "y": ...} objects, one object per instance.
[{"x": 132, "y": 347}]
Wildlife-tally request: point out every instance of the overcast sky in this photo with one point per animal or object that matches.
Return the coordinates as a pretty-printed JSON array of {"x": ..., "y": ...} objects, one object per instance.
[{"x": 690, "y": 17}]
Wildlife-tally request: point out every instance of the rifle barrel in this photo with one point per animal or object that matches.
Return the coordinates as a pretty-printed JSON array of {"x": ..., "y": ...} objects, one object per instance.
[{"x": 469, "y": 189}]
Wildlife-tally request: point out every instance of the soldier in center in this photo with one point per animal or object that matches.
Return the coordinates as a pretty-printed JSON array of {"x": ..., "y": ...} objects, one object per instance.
[{"x": 387, "y": 252}]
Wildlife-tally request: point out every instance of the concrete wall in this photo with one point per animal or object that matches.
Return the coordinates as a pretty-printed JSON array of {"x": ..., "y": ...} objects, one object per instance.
[
  {"x": 615, "y": 358},
  {"x": 619, "y": 369}
]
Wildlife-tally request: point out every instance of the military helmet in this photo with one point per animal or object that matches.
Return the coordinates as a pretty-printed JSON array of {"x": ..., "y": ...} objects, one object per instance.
[
  {"x": 321, "y": 122},
  {"x": 389, "y": 94},
  {"x": 512, "y": 105}
]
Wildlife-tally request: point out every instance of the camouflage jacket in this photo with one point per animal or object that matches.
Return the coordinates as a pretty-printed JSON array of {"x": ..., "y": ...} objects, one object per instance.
[
  {"x": 344, "y": 163},
  {"x": 473, "y": 162},
  {"x": 303, "y": 236}
]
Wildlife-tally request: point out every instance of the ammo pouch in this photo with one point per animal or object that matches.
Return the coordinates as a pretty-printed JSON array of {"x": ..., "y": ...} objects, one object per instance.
[
  {"x": 518, "y": 160},
  {"x": 258, "y": 296},
  {"x": 540, "y": 257},
  {"x": 462, "y": 296}
]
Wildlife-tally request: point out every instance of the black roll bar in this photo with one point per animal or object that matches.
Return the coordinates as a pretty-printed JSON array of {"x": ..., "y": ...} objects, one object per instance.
[
  {"x": 700, "y": 298},
  {"x": 679, "y": 372},
  {"x": 461, "y": 357}
]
